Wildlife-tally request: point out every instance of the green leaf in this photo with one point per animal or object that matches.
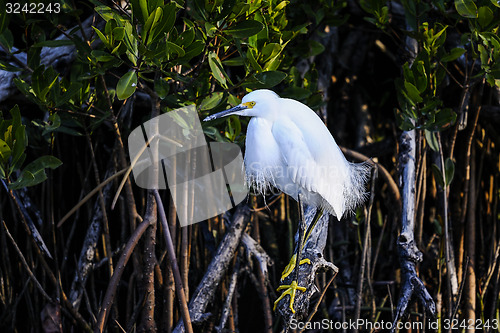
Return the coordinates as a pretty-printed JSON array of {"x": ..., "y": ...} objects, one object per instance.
[
  {"x": 264, "y": 80},
  {"x": 150, "y": 26},
  {"x": 449, "y": 168},
  {"x": 251, "y": 59},
  {"x": 233, "y": 128},
  {"x": 34, "y": 173},
  {"x": 413, "y": 92},
  {"x": 281, "y": 5},
  {"x": 295, "y": 92},
  {"x": 211, "y": 101},
  {"x": 210, "y": 29},
  {"x": 107, "y": 13},
  {"x": 167, "y": 21},
  {"x": 186, "y": 38},
  {"x": 110, "y": 25},
  {"x": 245, "y": 29},
  {"x": 233, "y": 100},
  {"x": 18, "y": 140},
  {"x": 102, "y": 56},
  {"x": 270, "y": 78},
  {"x": 161, "y": 88},
  {"x": 431, "y": 139},
  {"x": 153, "y": 4},
  {"x": 315, "y": 48},
  {"x": 216, "y": 67},
  {"x": 485, "y": 16},
  {"x": 7, "y": 39},
  {"x": 24, "y": 180},
  {"x": 483, "y": 54},
  {"x": 444, "y": 118},
  {"x": 421, "y": 76},
  {"x": 196, "y": 48},
  {"x": 42, "y": 163},
  {"x": 174, "y": 48},
  {"x": 73, "y": 89},
  {"x": 126, "y": 85},
  {"x": 4, "y": 21},
  {"x": 131, "y": 43},
  {"x": 408, "y": 73},
  {"x": 54, "y": 123},
  {"x": 438, "y": 175},
  {"x": 54, "y": 43},
  {"x": 119, "y": 33},
  {"x": 454, "y": 54},
  {"x": 16, "y": 117},
  {"x": 143, "y": 5},
  {"x": 5, "y": 151},
  {"x": 270, "y": 51},
  {"x": 102, "y": 37},
  {"x": 50, "y": 75},
  {"x": 5, "y": 66},
  {"x": 438, "y": 228},
  {"x": 37, "y": 80},
  {"x": 496, "y": 3},
  {"x": 235, "y": 61},
  {"x": 466, "y": 8}
]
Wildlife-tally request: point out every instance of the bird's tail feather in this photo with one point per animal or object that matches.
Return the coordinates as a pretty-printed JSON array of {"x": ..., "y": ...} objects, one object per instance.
[{"x": 356, "y": 192}]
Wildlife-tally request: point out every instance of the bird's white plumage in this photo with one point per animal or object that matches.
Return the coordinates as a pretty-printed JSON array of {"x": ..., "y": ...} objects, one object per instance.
[{"x": 290, "y": 148}]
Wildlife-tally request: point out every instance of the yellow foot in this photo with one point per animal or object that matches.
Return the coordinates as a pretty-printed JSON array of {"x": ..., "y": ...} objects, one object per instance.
[
  {"x": 291, "y": 265},
  {"x": 291, "y": 289}
]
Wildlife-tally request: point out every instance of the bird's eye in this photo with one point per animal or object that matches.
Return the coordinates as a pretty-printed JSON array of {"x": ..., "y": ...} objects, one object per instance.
[{"x": 252, "y": 103}]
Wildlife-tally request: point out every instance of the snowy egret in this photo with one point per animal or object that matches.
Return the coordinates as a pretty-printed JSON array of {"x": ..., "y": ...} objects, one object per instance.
[{"x": 289, "y": 147}]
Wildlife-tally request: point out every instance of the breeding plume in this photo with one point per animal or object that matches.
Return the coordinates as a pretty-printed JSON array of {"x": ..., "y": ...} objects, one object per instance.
[{"x": 289, "y": 147}]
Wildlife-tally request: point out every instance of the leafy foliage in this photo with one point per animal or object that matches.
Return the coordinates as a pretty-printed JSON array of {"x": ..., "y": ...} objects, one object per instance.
[
  {"x": 13, "y": 154},
  {"x": 79, "y": 109}
]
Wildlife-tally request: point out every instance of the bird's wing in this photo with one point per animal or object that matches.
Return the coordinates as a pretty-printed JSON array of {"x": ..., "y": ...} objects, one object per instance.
[
  {"x": 302, "y": 167},
  {"x": 305, "y": 169}
]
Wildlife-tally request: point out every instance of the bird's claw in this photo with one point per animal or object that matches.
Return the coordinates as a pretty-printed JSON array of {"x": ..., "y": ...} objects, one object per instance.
[
  {"x": 291, "y": 289},
  {"x": 291, "y": 265}
]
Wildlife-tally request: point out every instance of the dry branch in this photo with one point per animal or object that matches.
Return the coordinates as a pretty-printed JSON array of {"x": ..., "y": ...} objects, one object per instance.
[
  {"x": 181, "y": 294},
  {"x": 115, "y": 279},
  {"x": 253, "y": 249},
  {"x": 27, "y": 222},
  {"x": 217, "y": 268},
  {"x": 147, "y": 322},
  {"x": 313, "y": 250},
  {"x": 409, "y": 254},
  {"x": 87, "y": 254},
  {"x": 230, "y": 295}
]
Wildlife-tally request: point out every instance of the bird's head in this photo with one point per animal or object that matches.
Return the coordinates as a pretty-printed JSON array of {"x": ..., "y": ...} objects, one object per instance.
[{"x": 257, "y": 103}]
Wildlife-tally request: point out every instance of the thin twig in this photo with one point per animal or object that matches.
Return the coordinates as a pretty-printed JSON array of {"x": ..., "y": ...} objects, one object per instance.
[
  {"x": 175, "y": 268},
  {"x": 115, "y": 279},
  {"x": 230, "y": 293},
  {"x": 26, "y": 266},
  {"x": 316, "y": 306},
  {"x": 88, "y": 196},
  {"x": 364, "y": 257}
]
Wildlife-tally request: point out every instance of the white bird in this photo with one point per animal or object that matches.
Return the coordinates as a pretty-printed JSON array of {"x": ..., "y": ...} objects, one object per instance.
[{"x": 289, "y": 147}]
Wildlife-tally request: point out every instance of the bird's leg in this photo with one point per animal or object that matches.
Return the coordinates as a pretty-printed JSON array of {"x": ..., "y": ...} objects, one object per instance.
[
  {"x": 293, "y": 261},
  {"x": 317, "y": 216},
  {"x": 292, "y": 288}
]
